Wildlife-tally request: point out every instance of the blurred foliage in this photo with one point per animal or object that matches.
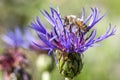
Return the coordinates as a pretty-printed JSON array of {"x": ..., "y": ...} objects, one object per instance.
[
  {"x": 18, "y": 12},
  {"x": 100, "y": 63},
  {"x": 112, "y": 7}
]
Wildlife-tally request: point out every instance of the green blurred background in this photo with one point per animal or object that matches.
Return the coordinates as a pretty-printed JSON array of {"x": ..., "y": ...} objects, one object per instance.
[{"x": 100, "y": 63}]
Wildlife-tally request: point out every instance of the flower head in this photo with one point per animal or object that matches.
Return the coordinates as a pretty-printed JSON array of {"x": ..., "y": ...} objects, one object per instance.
[
  {"x": 67, "y": 37},
  {"x": 14, "y": 60},
  {"x": 61, "y": 38}
]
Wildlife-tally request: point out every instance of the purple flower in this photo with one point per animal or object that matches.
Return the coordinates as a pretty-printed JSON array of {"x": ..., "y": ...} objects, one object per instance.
[
  {"x": 14, "y": 38},
  {"x": 62, "y": 37},
  {"x": 18, "y": 38},
  {"x": 14, "y": 60}
]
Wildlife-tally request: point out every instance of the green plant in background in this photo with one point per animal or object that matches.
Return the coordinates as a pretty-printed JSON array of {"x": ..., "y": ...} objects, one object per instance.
[
  {"x": 18, "y": 12},
  {"x": 44, "y": 64},
  {"x": 68, "y": 38}
]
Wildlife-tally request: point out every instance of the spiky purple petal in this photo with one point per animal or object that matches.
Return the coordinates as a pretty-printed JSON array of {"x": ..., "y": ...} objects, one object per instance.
[{"x": 60, "y": 38}]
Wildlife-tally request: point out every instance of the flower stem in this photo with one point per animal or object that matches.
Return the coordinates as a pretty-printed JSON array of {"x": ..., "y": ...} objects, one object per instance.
[{"x": 68, "y": 79}]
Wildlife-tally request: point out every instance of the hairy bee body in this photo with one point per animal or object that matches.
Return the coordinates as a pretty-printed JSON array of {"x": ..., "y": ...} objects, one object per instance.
[{"x": 73, "y": 20}]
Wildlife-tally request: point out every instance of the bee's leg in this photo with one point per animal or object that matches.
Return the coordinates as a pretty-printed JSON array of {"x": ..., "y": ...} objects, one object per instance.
[
  {"x": 71, "y": 26},
  {"x": 78, "y": 31},
  {"x": 86, "y": 28},
  {"x": 64, "y": 27}
]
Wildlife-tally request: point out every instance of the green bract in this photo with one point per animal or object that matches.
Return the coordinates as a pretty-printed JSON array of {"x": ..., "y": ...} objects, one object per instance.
[{"x": 69, "y": 64}]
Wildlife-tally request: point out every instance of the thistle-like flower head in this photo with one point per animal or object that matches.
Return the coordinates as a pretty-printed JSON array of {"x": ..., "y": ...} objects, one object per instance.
[
  {"x": 61, "y": 38},
  {"x": 68, "y": 38},
  {"x": 15, "y": 43},
  {"x": 14, "y": 60}
]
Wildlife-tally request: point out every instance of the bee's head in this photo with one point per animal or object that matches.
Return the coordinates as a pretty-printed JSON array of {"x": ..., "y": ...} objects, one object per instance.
[{"x": 70, "y": 19}]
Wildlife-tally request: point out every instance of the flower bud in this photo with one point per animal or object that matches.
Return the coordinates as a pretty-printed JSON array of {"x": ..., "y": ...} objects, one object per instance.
[{"x": 69, "y": 64}]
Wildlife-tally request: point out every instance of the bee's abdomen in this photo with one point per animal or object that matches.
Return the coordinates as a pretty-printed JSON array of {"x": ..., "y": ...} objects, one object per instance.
[{"x": 81, "y": 25}]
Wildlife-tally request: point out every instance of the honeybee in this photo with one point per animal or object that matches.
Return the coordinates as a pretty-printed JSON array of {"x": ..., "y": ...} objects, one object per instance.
[{"x": 73, "y": 20}]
